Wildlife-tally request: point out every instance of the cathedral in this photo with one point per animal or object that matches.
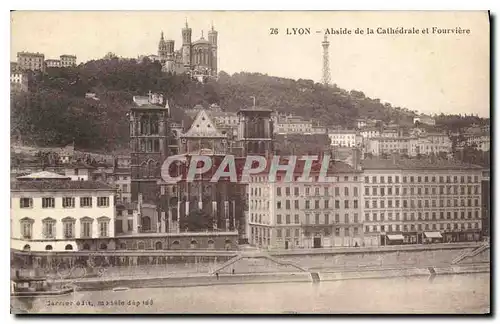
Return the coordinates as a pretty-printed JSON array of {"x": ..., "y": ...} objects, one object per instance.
[{"x": 197, "y": 58}]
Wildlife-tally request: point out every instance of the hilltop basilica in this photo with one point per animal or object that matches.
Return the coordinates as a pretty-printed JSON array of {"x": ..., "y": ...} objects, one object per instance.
[{"x": 198, "y": 58}]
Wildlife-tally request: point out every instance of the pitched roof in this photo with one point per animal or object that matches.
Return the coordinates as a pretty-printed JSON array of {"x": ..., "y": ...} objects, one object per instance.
[
  {"x": 59, "y": 185},
  {"x": 43, "y": 175},
  {"x": 203, "y": 126}
]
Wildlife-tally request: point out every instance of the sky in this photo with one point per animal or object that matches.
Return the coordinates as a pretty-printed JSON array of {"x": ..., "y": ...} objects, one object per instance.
[{"x": 430, "y": 73}]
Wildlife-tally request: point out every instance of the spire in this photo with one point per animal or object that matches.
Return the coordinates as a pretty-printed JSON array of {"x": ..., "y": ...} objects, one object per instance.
[
  {"x": 162, "y": 35},
  {"x": 212, "y": 25},
  {"x": 202, "y": 33},
  {"x": 186, "y": 22}
]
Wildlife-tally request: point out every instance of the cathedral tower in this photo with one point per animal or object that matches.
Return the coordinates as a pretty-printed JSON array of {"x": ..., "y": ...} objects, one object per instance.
[
  {"x": 212, "y": 38},
  {"x": 256, "y": 131},
  {"x": 149, "y": 129},
  {"x": 186, "y": 45},
  {"x": 162, "y": 49}
]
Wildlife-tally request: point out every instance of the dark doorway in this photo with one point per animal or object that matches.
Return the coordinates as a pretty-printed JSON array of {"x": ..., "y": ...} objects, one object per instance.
[
  {"x": 286, "y": 245},
  {"x": 317, "y": 242}
]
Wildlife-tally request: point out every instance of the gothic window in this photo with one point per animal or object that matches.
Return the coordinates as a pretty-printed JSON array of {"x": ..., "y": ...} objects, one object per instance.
[
  {"x": 156, "y": 146},
  {"x": 154, "y": 125},
  {"x": 143, "y": 170},
  {"x": 143, "y": 125}
]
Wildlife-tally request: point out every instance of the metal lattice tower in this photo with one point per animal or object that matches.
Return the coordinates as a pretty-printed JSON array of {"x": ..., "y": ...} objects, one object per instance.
[{"x": 326, "y": 62}]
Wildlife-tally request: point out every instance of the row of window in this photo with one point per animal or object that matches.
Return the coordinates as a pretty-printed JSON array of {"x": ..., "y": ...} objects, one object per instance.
[
  {"x": 433, "y": 203},
  {"x": 317, "y": 204},
  {"x": 308, "y": 191},
  {"x": 49, "y": 228},
  {"x": 419, "y": 227},
  {"x": 336, "y": 231},
  {"x": 425, "y": 179},
  {"x": 420, "y": 216},
  {"x": 67, "y": 202},
  {"x": 451, "y": 190},
  {"x": 313, "y": 178}
]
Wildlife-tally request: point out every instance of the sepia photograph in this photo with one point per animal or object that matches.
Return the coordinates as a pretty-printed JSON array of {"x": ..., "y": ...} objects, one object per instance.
[{"x": 250, "y": 162}]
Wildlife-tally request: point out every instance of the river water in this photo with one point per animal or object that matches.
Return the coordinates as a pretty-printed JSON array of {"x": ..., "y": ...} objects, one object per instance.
[{"x": 443, "y": 294}]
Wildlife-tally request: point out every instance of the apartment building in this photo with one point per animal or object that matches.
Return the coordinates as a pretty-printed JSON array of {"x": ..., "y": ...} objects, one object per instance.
[
  {"x": 50, "y": 212},
  {"x": 51, "y": 63},
  {"x": 19, "y": 80},
  {"x": 434, "y": 143},
  {"x": 344, "y": 138},
  {"x": 67, "y": 60},
  {"x": 297, "y": 214},
  {"x": 419, "y": 201},
  {"x": 377, "y": 146},
  {"x": 367, "y": 133},
  {"x": 30, "y": 61}
]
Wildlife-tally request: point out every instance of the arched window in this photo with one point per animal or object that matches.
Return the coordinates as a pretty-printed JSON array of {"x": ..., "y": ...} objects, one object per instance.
[
  {"x": 227, "y": 244},
  {"x": 27, "y": 247},
  {"x": 86, "y": 247},
  {"x": 154, "y": 124},
  {"x": 175, "y": 245},
  {"x": 211, "y": 244},
  {"x": 194, "y": 244},
  {"x": 48, "y": 247},
  {"x": 123, "y": 246},
  {"x": 141, "y": 246},
  {"x": 103, "y": 246},
  {"x": 68, "y": 247},
  {"x": 144, "y": 125},
  {"x": 158, "y": 246}
]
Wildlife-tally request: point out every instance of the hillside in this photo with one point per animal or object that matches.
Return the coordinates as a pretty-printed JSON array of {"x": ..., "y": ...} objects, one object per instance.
[{"x": 55, "y": 111}]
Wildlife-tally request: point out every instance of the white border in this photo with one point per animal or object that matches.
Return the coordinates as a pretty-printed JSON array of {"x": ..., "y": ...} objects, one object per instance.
[{"x": 192, "y": 5}]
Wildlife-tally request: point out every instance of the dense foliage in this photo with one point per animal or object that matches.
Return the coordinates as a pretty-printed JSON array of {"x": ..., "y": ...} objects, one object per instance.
[{"x": 56, "y": 112}]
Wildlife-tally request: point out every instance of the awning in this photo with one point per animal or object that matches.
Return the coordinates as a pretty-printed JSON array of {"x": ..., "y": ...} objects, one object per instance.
[
  {"x": 433, "y": 235},
  {"x": 395, "y": 237}
]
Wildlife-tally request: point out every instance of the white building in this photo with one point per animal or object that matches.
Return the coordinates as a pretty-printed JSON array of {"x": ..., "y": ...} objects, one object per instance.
[
  {"x": 49, "y": 212},
  {"x": 289, "y": 215},
  {"x": 377, "y": 146},
  {"x": 424, "y": 119},
  {"x": 50, "y": 63},
  {"x": 19, "y": 79},
  {"x": 369, "y": 133},
  {"x": 434, "y": 143},
  {"x": 480, "y": 141},
  {"x": 344, "y": 138}
]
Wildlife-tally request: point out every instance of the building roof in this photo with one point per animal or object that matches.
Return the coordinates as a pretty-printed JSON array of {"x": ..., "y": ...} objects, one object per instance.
[
  {"x": 148, "y": 107},
  {"x": 417, "y": 164},
  {"x": 203, "y": 127},
  {"x": 59, "y": 185},
  {"x": 342, "y": 131},
  {"x": 43, "y": 175},
  {"x": 256, "y": 109}
]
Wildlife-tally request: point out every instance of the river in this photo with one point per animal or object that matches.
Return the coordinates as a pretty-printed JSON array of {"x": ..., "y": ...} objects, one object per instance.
[{"x": 442, "y": 294}]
